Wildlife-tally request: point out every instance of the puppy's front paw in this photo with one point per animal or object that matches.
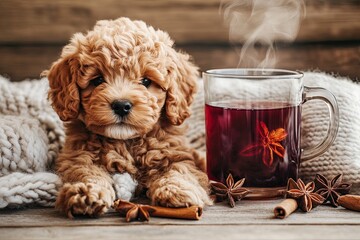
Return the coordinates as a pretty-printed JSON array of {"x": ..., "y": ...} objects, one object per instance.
[
  {"x": 180, "y": 194},
  {"x": 84, "y": 199}
]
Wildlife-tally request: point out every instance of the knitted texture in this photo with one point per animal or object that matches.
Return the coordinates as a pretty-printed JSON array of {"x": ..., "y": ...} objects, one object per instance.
[
  {"x": 342, "y": 157},
  {"x": 31, "y": 133},
  {"x": 18, "y": 189},
  {"x": 31, "y": 136}
]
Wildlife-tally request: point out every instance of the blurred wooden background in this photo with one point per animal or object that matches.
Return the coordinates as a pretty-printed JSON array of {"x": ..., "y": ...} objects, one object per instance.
[{"x": 32, "y": 33}]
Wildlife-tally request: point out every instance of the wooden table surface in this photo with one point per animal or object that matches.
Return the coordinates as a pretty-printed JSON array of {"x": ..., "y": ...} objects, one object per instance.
[{"x": 248, "y": 220}]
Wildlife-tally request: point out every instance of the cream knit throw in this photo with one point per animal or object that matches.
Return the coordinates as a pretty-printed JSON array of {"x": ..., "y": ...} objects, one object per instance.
[
  {"x": 344, "y": 155},
  {"x": 31, "y": 136}
]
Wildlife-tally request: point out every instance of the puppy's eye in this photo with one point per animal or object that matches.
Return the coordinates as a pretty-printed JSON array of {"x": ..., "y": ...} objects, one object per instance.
[
  {"x": 146, "y": 82},
  {"x": 97, "y": 81}
]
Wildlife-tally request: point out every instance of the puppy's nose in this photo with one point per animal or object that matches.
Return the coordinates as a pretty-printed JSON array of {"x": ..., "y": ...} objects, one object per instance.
[{"x": 122, "y": 107}]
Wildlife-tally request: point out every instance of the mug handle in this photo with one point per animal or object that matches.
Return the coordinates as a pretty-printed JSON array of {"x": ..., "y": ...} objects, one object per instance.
[{"x": 311, "y": 93}]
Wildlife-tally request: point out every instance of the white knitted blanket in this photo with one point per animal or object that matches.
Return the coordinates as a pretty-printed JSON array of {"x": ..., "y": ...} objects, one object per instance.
[{"x": 31, "y": 136}]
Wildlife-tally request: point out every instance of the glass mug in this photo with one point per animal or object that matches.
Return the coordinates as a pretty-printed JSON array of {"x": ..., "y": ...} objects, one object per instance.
[{"x": 253, "y": 124}]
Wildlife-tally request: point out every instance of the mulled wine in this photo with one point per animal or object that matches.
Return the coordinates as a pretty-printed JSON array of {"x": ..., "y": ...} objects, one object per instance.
[{"x": 260, "y": 143}]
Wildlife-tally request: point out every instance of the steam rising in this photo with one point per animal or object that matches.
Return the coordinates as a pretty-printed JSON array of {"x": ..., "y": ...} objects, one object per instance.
[{"x": 261, "y": 22}]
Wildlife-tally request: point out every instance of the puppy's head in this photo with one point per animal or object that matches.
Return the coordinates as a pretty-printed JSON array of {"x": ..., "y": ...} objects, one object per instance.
[{"x": 122, "y": 78}]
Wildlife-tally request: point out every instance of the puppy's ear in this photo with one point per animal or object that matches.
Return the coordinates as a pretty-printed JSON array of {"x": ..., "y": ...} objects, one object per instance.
[
  {"x": 64, "y": 92},
  {"x": 183, "y": 76}
]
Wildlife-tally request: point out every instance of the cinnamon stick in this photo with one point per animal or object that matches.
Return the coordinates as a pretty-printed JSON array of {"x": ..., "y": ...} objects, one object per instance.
[
  {"x": 351, "y": 202},
  {"x": 285, "y": 208},
  {"x": 192, "y": 213}
]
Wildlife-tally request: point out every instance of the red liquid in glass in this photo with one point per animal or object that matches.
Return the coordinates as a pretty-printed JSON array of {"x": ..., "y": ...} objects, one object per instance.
[{"x": 231, "y": 129}]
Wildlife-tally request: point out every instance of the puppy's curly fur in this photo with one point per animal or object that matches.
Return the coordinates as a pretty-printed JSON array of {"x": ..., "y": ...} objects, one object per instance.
[{"x": 125, "y": 61}]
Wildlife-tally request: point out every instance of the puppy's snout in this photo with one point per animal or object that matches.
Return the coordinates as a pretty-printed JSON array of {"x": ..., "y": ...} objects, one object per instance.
[{"x": 121, "y": 107}]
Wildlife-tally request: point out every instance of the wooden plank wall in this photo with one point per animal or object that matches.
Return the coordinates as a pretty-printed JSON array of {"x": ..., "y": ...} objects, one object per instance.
[{"x": 32, "y": 33}]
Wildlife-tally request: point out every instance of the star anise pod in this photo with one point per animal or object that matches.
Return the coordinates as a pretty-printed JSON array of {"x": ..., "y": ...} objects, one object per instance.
[
  {"x": 304, "y": 194},
  {"x": 232, "y": 191},
  {"x": 269, "y": 144},
  {"x": 132, "y": 211},
  {"x": 331, "y": 190}
]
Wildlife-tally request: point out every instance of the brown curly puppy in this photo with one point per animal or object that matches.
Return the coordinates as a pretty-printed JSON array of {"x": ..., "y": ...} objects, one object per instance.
[{"x": 122, "y": 90}]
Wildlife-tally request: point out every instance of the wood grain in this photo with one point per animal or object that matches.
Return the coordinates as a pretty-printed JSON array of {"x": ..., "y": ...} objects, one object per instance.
[
  {"x": 248, "y": 220},
  {"x": 24, "y": 62},
  {"x": 245, "y": 213},
  {"x": 187, "y": 21},
  {"x": 32, "y": 35},
  {"x": 208, "y": 232},
  {"x": 341, "y": 59},
  {"x": 19, "y": 63}
]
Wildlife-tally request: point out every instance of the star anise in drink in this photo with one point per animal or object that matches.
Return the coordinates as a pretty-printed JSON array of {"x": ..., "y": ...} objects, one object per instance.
[
  {"x": 331, "y": 190},
  {"x": 304, "y": 194},
  {"x": 269, "y": 144},
  {"x": 231, "y": 191}
]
